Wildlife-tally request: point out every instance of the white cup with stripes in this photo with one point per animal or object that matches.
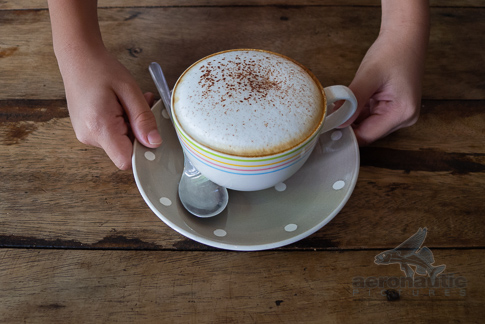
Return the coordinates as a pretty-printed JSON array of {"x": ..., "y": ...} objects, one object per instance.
[{"x": 249, "y": 119}]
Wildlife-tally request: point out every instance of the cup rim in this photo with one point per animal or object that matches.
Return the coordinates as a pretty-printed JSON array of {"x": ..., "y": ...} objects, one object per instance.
[{"x": 262, "y": 157}]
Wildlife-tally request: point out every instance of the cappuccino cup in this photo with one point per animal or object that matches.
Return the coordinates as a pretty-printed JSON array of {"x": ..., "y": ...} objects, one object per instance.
[{"x": 248, "y": 119}]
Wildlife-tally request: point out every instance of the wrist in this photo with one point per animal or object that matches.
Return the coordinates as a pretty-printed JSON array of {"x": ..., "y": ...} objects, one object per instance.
[
  {"x": 76, "y": 56},
  {"x": 405, "y": 25},
  {"x": 406, "y": 18},
  {"x": 75, "y": 29}
]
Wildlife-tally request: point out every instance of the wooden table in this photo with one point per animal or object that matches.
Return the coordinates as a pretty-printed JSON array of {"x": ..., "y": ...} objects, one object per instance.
[{"x": 78, "y": 244}]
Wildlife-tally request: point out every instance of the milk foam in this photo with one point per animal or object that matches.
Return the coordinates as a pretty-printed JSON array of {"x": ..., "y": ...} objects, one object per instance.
[{"x": 248, "y": 103}]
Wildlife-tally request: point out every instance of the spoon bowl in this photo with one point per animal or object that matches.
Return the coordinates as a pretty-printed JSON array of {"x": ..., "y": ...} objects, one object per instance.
[{"x": 201, "y": 197}]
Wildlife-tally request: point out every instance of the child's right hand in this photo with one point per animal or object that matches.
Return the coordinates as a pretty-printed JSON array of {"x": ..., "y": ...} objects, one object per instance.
[{"x": 106, "y": 105}]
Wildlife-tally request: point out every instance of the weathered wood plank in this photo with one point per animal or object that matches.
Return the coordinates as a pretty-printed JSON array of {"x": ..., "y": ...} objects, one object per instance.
[
  {"x": 28, "y": 67},
  {"x": 41, "y": 4},
  {"x": 51, "y": 182},
  {"x": 62, "y": 286},
  {"x": 12, "y": 111},
  {"x": 444, "y": 126},
  {"x": 69, "y": 202},
  {"x": 57, "y": 192},
  {"x": 439, "y": 119},
  {"x": 322, "y": 38}
]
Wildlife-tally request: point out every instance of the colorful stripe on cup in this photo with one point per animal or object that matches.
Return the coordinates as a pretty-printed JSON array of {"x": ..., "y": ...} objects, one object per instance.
[{"x": 247, "y": 166}]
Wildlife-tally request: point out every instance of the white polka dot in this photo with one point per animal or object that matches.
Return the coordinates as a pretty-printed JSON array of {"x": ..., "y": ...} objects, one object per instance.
[
  {"x": 336, "y": 135},
  {"x": 165, "y": 114},
  {"x": 338, "y": 185},
  {"x": 291, "y": 227},
  {"x": 165, "y": 201},
  {"x": 280, "y": 187},
  {"x": 150, "y": 156},
  {"x": 220, "y": 232}
]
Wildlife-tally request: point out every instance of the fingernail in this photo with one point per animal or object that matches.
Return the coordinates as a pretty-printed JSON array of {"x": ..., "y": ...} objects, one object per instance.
[{"x": 154, "y": 138}]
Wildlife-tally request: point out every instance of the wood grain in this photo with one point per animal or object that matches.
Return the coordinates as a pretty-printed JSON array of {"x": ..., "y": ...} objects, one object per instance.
[
  {"x": 59, "y": 286},
  {"x": 58, "y": 192},
  {"x": 79, "y": 245},
  {"x": 52, "y": 182},
  {"x": 42, "y": 4},
  {"x": 322, "y": 38},
  {"x": 451, "y": 126}
]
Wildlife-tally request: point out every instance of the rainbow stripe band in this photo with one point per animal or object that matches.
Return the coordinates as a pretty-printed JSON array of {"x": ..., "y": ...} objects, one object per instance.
[
  {"x": 219, "y": 157},
  {"x": 205, "y": 157},
  {"x": 250, "y": 172}
]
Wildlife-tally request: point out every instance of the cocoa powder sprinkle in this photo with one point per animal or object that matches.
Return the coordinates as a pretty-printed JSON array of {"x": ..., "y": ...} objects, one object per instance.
[{"x": 239, "y": 76}]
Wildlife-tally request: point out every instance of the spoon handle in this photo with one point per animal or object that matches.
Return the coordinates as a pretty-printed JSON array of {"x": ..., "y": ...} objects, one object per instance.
[{"x": 162, "y": 86}]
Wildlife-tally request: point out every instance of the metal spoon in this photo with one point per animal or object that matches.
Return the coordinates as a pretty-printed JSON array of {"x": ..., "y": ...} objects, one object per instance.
[{"x": 200, "y": 196}]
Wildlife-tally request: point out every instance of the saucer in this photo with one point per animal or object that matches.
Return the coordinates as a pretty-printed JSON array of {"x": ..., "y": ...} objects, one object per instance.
[{"x": 257, "y": 220}]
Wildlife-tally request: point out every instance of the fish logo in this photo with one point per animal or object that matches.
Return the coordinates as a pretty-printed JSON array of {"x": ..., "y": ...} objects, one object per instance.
[{"x": 410, "y": 253}]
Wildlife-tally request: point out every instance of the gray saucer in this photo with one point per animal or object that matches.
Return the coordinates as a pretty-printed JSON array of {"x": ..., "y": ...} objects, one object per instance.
[{"x": 257, "y": 220}]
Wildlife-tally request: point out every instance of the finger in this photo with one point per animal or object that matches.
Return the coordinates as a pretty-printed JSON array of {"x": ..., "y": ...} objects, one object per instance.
[
  {"x": 114, "y": 139},
  {"x": 109, "y": 133},
  {"x": 119, "y": 149},
  {"x": 363, "y": 91},
  {"x": 149, "y": 97},
  {"x": 141, "y": 118},
  {"x": 364, "y": 113},
  {"x": 376, "y": 126}
]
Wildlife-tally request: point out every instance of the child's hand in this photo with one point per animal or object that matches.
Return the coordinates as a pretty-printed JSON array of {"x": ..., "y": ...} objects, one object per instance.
[
  {"x": 107, "y": 107},
  {"x": 105, "y": 104},
  {"x": 388, "y": 91},
  {"x": 388, "y": 82}
]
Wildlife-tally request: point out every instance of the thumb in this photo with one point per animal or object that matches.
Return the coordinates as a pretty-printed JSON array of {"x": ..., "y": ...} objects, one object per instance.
[
  {"x": 142, "y": 120},
  {"x": 150, "y": 98},
  {"x": 363, "y": 91}
]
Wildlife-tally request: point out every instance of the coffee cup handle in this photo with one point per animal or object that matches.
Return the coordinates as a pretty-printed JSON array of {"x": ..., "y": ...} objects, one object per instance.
[{"x": 341, "y": 115}]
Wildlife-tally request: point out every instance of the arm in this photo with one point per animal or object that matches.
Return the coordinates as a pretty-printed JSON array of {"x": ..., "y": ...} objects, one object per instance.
[
  {"x": 388, "y": 82},
  {"x": 105, "y": 104}
]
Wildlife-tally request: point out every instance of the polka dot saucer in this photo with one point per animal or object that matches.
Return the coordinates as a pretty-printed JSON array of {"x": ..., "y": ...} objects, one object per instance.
[{"x": 258, "y": 220}]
